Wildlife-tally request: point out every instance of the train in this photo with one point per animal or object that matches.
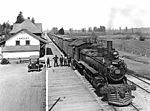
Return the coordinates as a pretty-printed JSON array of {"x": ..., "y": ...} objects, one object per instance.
[{"x": 101, "y": 66}]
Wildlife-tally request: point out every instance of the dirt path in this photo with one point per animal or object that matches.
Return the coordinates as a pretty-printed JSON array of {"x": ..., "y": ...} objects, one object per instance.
[{"x": 20, "y": 90}]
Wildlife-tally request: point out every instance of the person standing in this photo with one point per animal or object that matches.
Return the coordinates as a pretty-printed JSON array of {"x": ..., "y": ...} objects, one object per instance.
[
  {"x": 20, "y": 60},
  {"x": 37, "y": 61},
  {"x": 65, "y": 61},
  {"x": 61, "y": 60},
  {"x": 69, "y": 60},
  {"x": 55, "y": 61},
  {"x": 48, "y": 62}
]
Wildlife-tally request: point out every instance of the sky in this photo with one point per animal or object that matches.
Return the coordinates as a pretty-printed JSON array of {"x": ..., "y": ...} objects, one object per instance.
[{"x": 79, "y": 14}]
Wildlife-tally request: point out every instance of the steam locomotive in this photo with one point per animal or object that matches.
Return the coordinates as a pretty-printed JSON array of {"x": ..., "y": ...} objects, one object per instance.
[{"x": 101, "y": 66}]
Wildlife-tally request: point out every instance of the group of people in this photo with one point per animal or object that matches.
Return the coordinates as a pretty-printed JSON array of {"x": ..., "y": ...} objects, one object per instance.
[{"x": 64, "y": 61}]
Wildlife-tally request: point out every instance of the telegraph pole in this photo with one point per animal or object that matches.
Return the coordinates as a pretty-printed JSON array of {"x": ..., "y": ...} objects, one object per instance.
[{"x": 46, "y": 77}]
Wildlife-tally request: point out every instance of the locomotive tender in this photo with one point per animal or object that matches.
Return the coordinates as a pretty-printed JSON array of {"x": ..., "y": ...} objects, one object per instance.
[{"x": 101, "y": 66}]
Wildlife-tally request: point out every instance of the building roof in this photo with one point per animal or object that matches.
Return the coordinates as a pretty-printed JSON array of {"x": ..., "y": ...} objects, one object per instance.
[
  {"x": 39, "y": 25},
  {"x": 27, "y": 24},
  {"x": 90, "y": 52},
  {"x": 78, "y": 42},
  {"x": 24, "y": 48},
  {"x": 33, "y": 35}
]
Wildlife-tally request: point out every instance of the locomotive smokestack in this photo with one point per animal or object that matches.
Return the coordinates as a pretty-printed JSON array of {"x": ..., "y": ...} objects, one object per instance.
[{"x": 109, "y": 47}]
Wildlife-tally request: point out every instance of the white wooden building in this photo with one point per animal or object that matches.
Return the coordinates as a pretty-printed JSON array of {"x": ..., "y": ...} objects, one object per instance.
[
  {"x": 25, "y": 41},
  {"x": 22, "y": 45}
]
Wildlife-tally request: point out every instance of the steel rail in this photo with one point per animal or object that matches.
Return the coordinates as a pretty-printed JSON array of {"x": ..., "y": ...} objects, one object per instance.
[
  {"x": 138, "y": 78},
  {"x": 134, "y": 107},
  {"x": 139, "y": 86}
]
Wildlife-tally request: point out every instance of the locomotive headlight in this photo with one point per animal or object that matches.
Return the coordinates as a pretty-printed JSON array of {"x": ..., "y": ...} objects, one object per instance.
[
  {"x": 114, "y": 63},
  {"x": 117, "y": 71},
  {"x": 30, "y": 65}
]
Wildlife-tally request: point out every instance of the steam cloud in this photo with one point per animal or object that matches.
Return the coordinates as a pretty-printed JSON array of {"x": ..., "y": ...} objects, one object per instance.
[{"x": 131, "y": 13}]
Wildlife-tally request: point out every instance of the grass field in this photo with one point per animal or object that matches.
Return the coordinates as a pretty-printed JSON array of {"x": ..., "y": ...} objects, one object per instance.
[
  {"x": 136, "y": 53},
  {"x": 133, "y": 46},
  {"x": 129, "y": 43},
  {"x": 140, "y": 69}
]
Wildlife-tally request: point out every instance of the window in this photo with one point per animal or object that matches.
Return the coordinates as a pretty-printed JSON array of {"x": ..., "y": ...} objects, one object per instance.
[
  {"x": 17, "y": 42},
  {"x": 27, "y": 42}
]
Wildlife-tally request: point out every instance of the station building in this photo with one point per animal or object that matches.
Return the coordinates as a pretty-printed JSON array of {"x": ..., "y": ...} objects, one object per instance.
[{"x": 25, "y": 41}]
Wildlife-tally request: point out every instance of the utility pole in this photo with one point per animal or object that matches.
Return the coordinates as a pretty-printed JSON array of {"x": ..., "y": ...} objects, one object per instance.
[{"x": 46, "y": 77}]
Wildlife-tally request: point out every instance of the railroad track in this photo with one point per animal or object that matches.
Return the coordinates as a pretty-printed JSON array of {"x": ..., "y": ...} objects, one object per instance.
[
  {"x": 130, "y": 107},
  {"x": 140, "y": 78},
  {"x": 139, "y": 82},
  {"x": 137, "y": 109},
  {"x": 104, "y": 105}
]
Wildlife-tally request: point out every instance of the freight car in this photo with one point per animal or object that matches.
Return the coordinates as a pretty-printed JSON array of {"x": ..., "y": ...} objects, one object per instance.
[{"x": 102, "y": 67}]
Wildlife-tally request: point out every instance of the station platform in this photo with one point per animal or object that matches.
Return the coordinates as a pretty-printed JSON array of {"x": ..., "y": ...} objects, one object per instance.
[{"x": 66, "y": 91}]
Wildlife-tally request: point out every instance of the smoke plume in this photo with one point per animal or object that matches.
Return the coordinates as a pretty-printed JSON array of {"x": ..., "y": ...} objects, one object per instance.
[{"x": 130, "y": 13}]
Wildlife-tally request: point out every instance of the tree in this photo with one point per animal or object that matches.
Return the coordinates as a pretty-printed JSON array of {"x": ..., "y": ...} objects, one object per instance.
[
  {"x": 4, "y": 26},
  {"x": 54, "y": 30},
  {"x": 95, "y": 29},
  {"x": 90, "y": 29},
  {"x": 94, "y": 37},
  {"x": 102, "y": 28},
  {"x": 61, "y": 31},
  {"x": 70, "y": 30},
  {"x": 20, "y": 18},
  {"x": 33, "y": 20},
  {"x": 83, "y": 30},
  {"x": 1, "y": 29},
  {"x": 126, "y": 29},
  {"x": 141, "y": 38}
]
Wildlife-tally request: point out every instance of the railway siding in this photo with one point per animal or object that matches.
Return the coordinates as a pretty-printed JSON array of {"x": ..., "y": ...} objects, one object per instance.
[
  {"x": 139, "y": 82},
  {"x": 142, "y": 97}
]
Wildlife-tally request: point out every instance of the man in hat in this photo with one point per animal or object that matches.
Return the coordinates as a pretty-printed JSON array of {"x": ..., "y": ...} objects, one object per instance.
[
  {"x": 61, "y": 60},
  {"x": 55, "y": 61},
  {"x": 48, "y": 62}
]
